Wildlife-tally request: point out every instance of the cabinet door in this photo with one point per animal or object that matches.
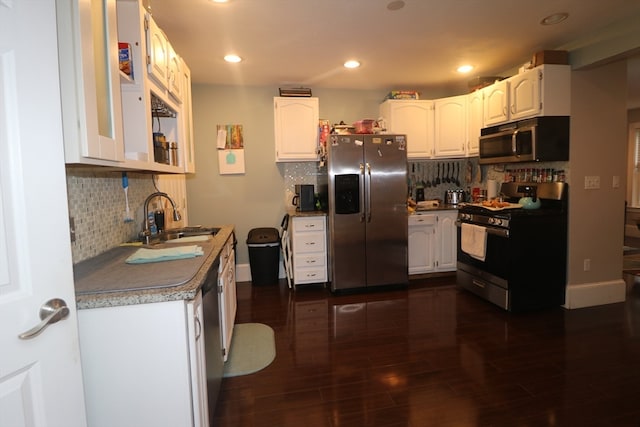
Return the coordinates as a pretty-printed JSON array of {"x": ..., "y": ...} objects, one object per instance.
[
  {"x": 137, "y": 350},
  {"x": 421, "y": 243},
  {"x": 227, "y": 297},
  {"x": 450, "y": 126},
  {"x": 90, "y": 81},
  {"x": 415, "y": 119},
  {"x": 197, "y": 359},
  {"x": 296, "y": 122},
  {"x": 475, "y": 121},
  {"x": 174, "y": 74},
  {"x": 524, "y": 94},
  {"x": 447, "y": 244},
  {"x": 158, "y": 53},
  {"x": 496, "y": 102},
  {"x": 188, "y": 147}
]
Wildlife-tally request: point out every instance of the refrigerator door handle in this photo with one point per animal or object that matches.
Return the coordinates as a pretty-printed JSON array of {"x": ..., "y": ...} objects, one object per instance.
[
  {"x": 362, "y": 178},
  {"x": 368, "y": 185}
]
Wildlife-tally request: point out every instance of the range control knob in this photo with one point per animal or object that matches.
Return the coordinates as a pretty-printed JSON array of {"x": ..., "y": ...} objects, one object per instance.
[{"x": 495, "y": 221}]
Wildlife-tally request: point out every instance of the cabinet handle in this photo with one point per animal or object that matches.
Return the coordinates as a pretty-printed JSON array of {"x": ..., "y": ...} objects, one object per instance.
[
  {"x": 310, "y": 243},
  {"x": 310, "y": 225},
  {"x": 198, "y": 327},
  {"x": 311, "y": 261}
]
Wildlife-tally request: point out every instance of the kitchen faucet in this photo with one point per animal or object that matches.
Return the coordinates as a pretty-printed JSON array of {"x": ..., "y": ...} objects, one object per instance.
[{"x": 176, "y": 214}]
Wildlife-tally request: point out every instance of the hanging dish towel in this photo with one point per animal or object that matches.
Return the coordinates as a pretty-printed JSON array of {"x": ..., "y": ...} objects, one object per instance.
[
  {"x": 473, "y": 240},
  {"x": 144, "y": 255}
]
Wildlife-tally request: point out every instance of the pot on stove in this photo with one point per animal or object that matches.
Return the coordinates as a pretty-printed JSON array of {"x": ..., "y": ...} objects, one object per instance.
[{"x": 453, "y": 197}]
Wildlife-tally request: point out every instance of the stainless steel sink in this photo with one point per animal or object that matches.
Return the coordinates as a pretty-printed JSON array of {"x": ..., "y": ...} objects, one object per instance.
[{"x": 177, "y": 233}]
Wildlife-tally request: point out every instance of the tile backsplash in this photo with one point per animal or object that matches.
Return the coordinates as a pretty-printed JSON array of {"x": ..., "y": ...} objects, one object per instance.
[{"x": 97, "y": 205}]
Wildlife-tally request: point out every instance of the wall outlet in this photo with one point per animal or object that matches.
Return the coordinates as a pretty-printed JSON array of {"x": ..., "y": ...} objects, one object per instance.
[
  {"x": 592, "y": 182},
  {"x": 587, "y": 264},
  {"x": 616, "y": 181}
]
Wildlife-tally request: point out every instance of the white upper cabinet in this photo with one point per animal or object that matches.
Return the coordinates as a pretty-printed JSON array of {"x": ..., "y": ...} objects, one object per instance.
[
  {"x": 90, "y": 82},
  {"x": 450, "y": 126},
  {"x": 188, "y": 151},
  {"x": 415, "y": 119},
  {"x": 175, "y": 80},
  {"x": 541, "y": 91},
  {"x": 158, "y": 132},
  {"x": 157, "y": 52},
  {"x": 475, "y": 121},
  {"x": 524, "y": 92},
  {"x": 496, "y": 103},
  {"x": 296, "y": 121},
  {"x": 163, "y": 63}
]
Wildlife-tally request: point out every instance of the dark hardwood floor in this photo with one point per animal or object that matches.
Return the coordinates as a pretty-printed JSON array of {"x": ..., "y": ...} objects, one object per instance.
[{"x": 433, "y": 355}]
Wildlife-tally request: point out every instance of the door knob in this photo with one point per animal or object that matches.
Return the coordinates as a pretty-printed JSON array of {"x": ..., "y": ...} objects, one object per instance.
[{"x": 50, "y": 312}]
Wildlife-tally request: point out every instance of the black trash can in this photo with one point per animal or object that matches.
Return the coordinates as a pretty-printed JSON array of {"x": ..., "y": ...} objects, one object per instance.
[{"x": 264, "y": 255}]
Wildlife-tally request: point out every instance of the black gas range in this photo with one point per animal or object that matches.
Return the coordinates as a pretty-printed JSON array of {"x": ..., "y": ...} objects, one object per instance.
[{"x": 514, "y": 257}]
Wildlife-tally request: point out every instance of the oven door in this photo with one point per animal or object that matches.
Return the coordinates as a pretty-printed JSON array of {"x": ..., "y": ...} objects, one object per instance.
[{"x": 496, "y": 262}]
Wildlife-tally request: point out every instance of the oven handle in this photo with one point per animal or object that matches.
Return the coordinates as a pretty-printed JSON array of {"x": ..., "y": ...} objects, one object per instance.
[{"x": 500, "y": 232}]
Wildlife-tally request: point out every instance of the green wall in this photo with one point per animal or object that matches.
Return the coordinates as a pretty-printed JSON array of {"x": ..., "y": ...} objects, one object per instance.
[{"x": 257, "y": 197}]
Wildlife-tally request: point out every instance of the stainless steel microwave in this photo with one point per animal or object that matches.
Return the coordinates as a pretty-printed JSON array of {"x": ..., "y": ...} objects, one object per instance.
[{"x": 532, "y": 140}]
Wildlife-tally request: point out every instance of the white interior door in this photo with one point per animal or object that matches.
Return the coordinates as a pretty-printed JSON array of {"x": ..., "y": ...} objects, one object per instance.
[{"x": 40, "y": 377}]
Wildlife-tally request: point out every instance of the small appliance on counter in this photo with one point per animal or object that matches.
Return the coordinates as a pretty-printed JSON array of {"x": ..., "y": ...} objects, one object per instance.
[
  {"x": 453, "y": 197},
  {"x": 304, "y": 199}
]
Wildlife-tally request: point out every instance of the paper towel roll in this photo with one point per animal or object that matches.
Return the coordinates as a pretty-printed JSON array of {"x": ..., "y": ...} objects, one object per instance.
[{"x": 492, "y": 188}]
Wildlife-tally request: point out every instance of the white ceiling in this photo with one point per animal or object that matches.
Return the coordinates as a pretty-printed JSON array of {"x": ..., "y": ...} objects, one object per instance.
[{"x": 304, "y": 42}]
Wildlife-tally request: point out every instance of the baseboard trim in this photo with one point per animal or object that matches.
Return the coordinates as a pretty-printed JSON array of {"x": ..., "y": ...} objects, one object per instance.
[
  {"x": 592, "y": 294},
  {"x": 243, "y": 272}
]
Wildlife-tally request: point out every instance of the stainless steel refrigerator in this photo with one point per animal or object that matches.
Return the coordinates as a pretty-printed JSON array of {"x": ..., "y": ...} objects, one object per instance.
[{"x": 367, "y": 210}]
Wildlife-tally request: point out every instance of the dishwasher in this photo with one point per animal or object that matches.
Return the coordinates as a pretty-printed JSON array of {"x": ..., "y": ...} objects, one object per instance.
[{"x": 212, "y": 335}]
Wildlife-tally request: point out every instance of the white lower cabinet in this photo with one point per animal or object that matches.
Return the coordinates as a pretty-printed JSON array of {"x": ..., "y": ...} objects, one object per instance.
[
  {"x": 228, "y": 295},
  {"x": 143, "y": 364},
  {"x": 309, "y": 249},
  {"x": 422, "y": 234},
  {"x": 432, "y": 242}
]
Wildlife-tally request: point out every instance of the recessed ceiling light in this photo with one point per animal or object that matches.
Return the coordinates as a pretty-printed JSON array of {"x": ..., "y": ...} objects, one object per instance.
[
  {"x": 395, "y": 5},
  {"x": 220, "y": 1},
  {"x": 465, "y": 68},
  {"x": 555, "y": 18},
  {"x": 352, "y": 64},
  {"x": 232, "y": 58}
]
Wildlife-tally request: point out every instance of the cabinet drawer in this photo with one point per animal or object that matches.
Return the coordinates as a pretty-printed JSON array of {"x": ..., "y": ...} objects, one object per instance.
[
  {"x": 303, "y": 224},
  {"x": 421, "y": 219},
  {"x": 308, "y": 242},
  {"x": 310, "y": 275},
  {"x": 312, "y": 260}
]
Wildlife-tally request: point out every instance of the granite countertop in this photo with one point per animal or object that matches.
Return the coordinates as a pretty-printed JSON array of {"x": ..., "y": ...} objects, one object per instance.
[
  {"x": 440, "y": 207},
  {"x": 294, "y": 212},
  {"x": 107, "y": 281}
]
